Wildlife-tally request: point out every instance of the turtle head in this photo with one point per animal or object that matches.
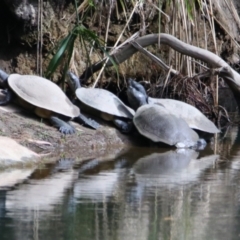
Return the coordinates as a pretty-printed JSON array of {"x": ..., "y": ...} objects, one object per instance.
[
  {"x": 136, "y": 94},
  {"x": 136, "y": 98},
  {"x": 3, "y": 79},
  {"x": 73, "y": 81},
  {"x": 139, "y": 87}
]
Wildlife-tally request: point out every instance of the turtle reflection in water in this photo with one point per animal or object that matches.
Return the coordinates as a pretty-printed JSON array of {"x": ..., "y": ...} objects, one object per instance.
[
  {"x": 44, "y": 98},
  {"x": 158, "y": 124},
  {"x": 174, "y": 166},
  {"x": 102, "y": 103}
]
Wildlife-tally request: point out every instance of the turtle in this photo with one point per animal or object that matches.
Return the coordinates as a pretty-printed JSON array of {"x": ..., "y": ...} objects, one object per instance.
[
  {"x": 194, "y": 118},
  {"x": 103, "y": 103},
  {"x": 44, "y": 98},
  {"x": 158, "y": 124}
]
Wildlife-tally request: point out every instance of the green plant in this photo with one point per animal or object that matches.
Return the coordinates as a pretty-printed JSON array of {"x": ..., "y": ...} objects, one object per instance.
[{"x": 65, "y": 47}]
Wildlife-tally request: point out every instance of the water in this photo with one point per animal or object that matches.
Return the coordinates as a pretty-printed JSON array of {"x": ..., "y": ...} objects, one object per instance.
[{"x": 141, "y": 194}]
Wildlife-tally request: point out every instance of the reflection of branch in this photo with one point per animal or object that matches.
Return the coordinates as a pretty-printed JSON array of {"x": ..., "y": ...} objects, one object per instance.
[{"x": 126, "y": 51}]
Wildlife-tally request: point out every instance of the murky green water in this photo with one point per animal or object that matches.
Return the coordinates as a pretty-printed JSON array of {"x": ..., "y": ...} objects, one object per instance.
[{"x": 141, "y": 194}]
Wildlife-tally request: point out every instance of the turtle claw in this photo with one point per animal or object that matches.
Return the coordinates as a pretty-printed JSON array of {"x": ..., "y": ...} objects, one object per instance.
[
  {"x": 63, "y": 126},
  {"x": 67, "y": 130}
]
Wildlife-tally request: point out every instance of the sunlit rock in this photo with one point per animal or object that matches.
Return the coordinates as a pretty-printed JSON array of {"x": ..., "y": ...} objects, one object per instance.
[
  {"x": 23, "y": 10},
  {"x": 12, "y": 152}
]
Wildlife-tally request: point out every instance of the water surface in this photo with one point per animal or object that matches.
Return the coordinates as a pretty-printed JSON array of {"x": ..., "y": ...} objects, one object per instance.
[{"x": 142, "y": 193}]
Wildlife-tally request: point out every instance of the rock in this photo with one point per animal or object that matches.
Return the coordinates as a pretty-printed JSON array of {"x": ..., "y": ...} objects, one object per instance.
[
  {"x": 23, "y": 10},
  {"x": 13, "y": 152}
]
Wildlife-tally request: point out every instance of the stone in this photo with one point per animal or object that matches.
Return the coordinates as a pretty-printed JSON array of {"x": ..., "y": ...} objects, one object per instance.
[{"x": 13, "y": 152}]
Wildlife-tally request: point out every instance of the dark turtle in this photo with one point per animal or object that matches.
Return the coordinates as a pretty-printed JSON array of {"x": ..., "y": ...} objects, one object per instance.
[
  {"x": 194, "y": 118},
  {"x": 158, "y": 124},
  {"x": 44, "y": 98},
  {"x": 102, "y": 103}
]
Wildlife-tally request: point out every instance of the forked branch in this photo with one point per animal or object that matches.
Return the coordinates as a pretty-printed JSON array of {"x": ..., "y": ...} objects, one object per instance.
[{"x": 231, "y": 77}]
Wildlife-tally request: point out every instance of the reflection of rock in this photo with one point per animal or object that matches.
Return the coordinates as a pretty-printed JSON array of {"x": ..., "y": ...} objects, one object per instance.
[
  {"x": 40, "y": 194},
  {"x": 12, "y": 152},
  {"x": 171, "y": 167},
  {"x": 10, "y": 177}
]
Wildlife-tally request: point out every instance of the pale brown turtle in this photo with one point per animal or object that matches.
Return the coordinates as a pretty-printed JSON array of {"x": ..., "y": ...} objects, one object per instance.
[
  {"x": 102, "y": 103},
  {"x": 42, "y": 97}
]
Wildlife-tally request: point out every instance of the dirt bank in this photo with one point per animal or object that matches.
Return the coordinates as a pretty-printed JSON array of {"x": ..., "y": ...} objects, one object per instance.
[{"x": 39, "y": 136}]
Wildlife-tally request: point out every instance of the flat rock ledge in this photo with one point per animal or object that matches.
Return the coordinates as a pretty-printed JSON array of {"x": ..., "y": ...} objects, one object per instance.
[{"x": 25, "y": 139}]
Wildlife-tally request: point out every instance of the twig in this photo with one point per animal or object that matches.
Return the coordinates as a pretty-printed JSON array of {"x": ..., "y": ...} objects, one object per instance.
[{"x": 112, "y": 52}]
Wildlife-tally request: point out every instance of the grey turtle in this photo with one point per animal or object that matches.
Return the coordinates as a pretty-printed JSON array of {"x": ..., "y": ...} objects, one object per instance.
[
  {"x": 42, "y": 97},
  {"x": 194, "y": 118},
  {"x": 158, "y": 124},
  {"x": 103, "y": 103}
]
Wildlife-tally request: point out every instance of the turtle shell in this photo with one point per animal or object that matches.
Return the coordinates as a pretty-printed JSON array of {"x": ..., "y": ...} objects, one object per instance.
[
  {"x": 104, "y": 101},
  {"x": 42, "y": 93},
  {"x": 159, "y": 125},
  {"x": 194, "y": 118}
]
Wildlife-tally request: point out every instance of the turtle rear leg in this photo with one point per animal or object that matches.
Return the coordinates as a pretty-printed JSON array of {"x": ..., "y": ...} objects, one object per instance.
[
  {"x": 8, "y": 97},
  {"x": 63, "y": 127},
  {"x": 86, "y": 121}
]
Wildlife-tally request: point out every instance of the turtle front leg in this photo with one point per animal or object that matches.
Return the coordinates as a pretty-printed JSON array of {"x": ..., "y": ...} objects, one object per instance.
[
  {"x": 62, "y": 126},
  {"x": 86, "y": 121},
  {"x": 8, "y": 97},
  {"x": 123, "y": 125}
]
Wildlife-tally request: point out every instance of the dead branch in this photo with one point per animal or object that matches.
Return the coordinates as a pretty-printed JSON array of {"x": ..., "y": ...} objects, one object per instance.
[{"x": 231, "y": 77}]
